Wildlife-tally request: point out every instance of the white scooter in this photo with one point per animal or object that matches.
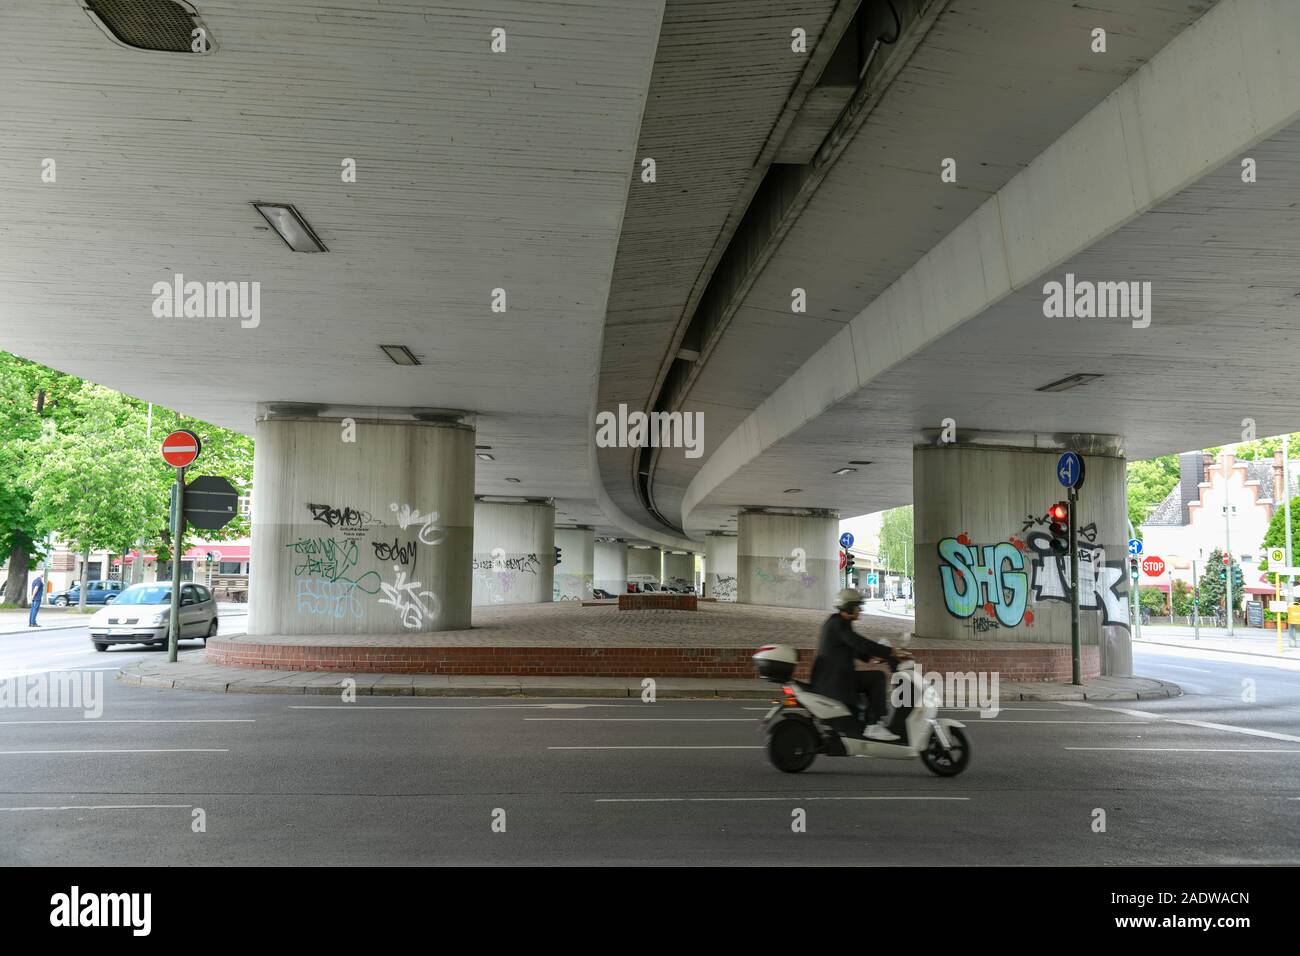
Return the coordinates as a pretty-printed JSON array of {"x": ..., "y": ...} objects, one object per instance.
[{"x": 798, "y": 728}]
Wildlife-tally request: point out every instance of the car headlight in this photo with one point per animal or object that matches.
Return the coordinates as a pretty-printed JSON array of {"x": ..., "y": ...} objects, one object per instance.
[{"x": 159, "y": 618}]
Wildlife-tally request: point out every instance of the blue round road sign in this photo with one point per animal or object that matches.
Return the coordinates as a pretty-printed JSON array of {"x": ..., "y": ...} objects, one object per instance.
[
  {"x": 1135, "y": 546},
  {"x": 846, "y": 540},
  {"x": 1069, "y": 470}
]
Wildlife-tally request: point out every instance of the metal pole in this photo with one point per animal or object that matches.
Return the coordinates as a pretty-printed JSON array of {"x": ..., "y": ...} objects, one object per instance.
[
  {"x": 1077, "y": 677},
  {"x": 1286, "y": 497},
  {"x": 1133, "y": 586},
  {"x": 178, "y": 527},
  {"x": 1196, "y": 601},
  {"x": 1227, "y": 542}
]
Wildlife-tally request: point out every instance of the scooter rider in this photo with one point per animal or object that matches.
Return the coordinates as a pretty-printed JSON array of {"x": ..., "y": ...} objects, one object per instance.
[{"x": 833, "y": 673}]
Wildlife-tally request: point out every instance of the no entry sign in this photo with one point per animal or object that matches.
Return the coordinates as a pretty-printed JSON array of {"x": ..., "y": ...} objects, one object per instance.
[
  {"x": 1153, "y": 566},
  {"x": 180, "y": 448}
]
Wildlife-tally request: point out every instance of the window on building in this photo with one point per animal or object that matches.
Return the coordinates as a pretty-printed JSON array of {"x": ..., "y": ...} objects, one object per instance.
[{"x": 230, "y": 567}]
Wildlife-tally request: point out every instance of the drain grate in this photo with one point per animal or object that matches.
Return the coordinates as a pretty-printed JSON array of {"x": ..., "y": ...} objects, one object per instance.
[{"x": 162, "y": 25}]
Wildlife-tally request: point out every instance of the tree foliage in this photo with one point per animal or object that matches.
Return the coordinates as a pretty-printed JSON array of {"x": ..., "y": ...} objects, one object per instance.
[
  {"x": 1213, "y": 586},
  {"x": 1149, "y": 483},
  {"x": 896, "y": 539}
]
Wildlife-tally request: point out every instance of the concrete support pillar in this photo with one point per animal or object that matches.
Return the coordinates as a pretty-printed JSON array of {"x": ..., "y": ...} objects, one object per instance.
[
  {"x": 577, "y": 568},
  {"x": 787, "y": 559},
  {"x": 365, "y": 536},
  {"x": 645, "y": 566},
  {"x": 611, "y": 567},
  {"x": 984, "y": 568},
  {"x": 514, "y": 552},
  {"x": 720, "y": 567},
  {"x": 679, "y": 569}
]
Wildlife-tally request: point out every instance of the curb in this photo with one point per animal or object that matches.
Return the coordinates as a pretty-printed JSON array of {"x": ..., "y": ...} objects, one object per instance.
[{"x": 394, "y": 685}]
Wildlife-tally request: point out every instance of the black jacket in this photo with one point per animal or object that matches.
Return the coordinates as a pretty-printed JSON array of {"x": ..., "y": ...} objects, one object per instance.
[{"x": 832, "y": 671}]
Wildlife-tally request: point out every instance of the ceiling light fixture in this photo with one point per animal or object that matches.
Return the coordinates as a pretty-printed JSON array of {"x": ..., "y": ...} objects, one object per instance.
[
  {"x": 400, "y": 354},
  {"x": 513, "y": 481},
  {"x": 292, "y": 227},
  {"x": 1070, "y": 381},
  {"x": 792, "y": 491},
  {"x": 484, "y": 456},
  {"x": 844, "y": 471}
]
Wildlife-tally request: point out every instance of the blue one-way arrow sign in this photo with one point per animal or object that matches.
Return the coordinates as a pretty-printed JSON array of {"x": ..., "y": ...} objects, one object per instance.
[{"x": 1134, "y": 547}]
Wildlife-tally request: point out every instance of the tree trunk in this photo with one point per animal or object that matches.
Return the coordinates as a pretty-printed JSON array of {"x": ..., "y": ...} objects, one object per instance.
[
  {"x": 85, "y": 580},
  {"x": 16, "y": 588}
]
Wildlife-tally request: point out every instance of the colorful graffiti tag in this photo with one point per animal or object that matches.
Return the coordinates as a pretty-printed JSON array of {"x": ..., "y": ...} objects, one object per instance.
[{"x": 991, "y": 574}]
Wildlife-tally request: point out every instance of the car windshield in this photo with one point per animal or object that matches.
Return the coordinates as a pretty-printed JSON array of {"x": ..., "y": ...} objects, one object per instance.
[{"x": 147, "y": 594}]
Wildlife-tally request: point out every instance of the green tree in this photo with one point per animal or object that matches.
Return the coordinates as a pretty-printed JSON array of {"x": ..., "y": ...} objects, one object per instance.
[
  {"x": 1213, "y": 583},
  {"x": 1149, "y": 483},
  {"x": 29, "y": 394},
  {"x": 896, "y": 539},
  {"x": 1182, "y": 598},
  {"x": 88, "y": 480},
  {"x": 1152, "y": 600}
]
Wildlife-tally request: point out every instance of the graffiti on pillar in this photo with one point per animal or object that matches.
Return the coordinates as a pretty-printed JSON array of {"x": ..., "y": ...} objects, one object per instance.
[
  {"x": 338, "y": 599},
  {"x": 413, "y": 605},
  {"x": 350, "y": 521},
  {"x": 1000, "y": 580},
  {"x": 991, "y": 577},
  {"x": 724, "y": 587},
  {"x": 403, "y": 554},
  {"x": 407, "y": 517},
  {"x": 526, "y": 563},
  {"x": 571, "y": 587},
  {"x": 331, "y": 558}
]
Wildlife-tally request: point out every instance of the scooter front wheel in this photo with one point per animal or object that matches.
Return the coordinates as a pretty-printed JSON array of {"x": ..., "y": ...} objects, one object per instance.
[
  {"x": 950, "y": 761},
  {"x": 792, "y": 747}
]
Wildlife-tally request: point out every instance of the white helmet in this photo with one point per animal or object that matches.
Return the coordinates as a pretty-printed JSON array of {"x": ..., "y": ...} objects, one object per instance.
[{"x": 848, "y": 598}]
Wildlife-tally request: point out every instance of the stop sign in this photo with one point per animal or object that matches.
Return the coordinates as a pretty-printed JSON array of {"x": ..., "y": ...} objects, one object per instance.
[
  {"x": 843, "y": 560},
  {"x": 180, "y": 448},
  {"x": 1153, "y": 566}
]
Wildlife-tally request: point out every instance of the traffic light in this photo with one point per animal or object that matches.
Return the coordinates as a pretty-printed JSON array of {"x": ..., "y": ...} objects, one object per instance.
[
  {"x": 557, "y": 555},
  {"x": 848, "y": 563},
  {"x": 1059, "y": 527}
]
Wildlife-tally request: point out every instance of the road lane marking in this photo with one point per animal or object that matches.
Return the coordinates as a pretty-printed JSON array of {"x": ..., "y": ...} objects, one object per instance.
[
  {"x": 356, "y": 707},
  {"x": 1204, "y": 724},
  {"x": 1195, "y": 750},
  {"x": 753, "y": 799},
  {"x": 82, "y": 721},
  {"x": 742, "y": 720},
  {"x": 188, "y": 750},
  {"x": 124, "y": 806},
  {"x": 1091, "y": 723},
  {"x": 658, "y": 748}
]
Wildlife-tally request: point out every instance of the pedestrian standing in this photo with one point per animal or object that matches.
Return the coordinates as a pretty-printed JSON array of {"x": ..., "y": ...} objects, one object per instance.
[{"x": 38, "y": 593}]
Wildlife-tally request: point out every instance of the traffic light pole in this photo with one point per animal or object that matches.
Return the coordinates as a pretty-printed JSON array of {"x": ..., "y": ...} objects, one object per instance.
[
  {"x": 178, "y": 527},
  {"x": 1074, "y": 587}
]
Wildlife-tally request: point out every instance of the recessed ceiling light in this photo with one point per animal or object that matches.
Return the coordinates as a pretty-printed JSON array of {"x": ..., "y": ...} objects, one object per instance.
[
  {"x": 484, "y": 456},
  {"x": 791, "y": 491},
  {"x": 844, "y": 471},
  {"x": 293, "y": 229},
  {"x": 400, "y": 354},
  {"x": 1070, "y": 381},
  {"x": 513, "y": 481},
  {"x": 859, "y": 463}
]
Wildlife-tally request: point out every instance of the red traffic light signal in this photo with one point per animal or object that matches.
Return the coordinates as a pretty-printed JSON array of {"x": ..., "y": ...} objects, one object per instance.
[
  {"x": 1059, "y": 514},
  {"x": 1227, "y": 559}
]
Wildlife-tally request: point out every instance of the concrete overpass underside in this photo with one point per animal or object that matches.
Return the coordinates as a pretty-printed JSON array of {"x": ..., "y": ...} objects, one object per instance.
[{"x": 502, "y": 226}]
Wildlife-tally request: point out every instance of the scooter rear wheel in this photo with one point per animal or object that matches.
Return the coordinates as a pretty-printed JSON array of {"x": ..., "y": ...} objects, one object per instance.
[
  {"x": 792, "y": 747},
  {"x": 950, "y": 762}
]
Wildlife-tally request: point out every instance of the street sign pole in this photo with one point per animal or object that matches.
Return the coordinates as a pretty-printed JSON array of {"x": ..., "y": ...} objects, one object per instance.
[
  {"x": 1196, "y": 601},
  {"x": 1074, "y": 586},
  {"x": 1133, "y": 584},
  {"x": 178, "y": 529},
  {"x": 1290, "y": 556}
]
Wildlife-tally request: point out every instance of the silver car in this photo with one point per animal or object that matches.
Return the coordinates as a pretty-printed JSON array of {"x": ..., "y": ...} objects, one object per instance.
[{"x": 142, "y": 612}]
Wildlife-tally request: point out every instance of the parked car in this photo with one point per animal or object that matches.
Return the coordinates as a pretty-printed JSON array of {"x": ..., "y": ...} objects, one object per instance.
[
  {"x": 141, "y": 613},
  {"x": 97, "y": 592},
  {"x": 600, "y": 594}
]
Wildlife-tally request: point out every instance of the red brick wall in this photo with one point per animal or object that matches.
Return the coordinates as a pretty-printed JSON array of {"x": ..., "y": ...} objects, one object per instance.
[
  {"x": 1034, "y": 663},
  {"x": 663, "y": 602}
]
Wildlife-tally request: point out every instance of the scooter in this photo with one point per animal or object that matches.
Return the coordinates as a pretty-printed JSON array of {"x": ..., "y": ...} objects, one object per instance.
[{"x": 798, "y": 727}]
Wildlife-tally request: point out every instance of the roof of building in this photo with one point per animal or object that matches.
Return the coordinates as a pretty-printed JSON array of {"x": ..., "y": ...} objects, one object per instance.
[{"x": 1169, "y": 513}]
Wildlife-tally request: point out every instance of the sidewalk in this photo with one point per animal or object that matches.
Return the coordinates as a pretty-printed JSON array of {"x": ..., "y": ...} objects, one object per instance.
[
  {"x": 61, "y": 619},
  {"x": 197, "y": 675},
  {"x": 1252, "y": 641}
]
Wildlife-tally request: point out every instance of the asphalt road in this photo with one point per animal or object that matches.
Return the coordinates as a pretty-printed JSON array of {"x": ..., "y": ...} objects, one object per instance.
[{"x": 291, "y": 780}]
